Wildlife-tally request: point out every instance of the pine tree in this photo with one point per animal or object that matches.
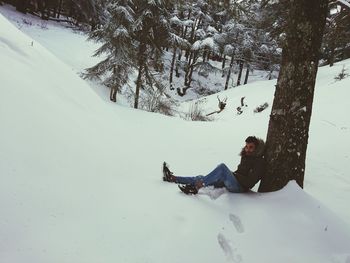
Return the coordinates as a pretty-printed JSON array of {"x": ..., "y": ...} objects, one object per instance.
[
  {"x": 88, "y": 11},
  {"x": 200, "y": 38},
  {"x": 176, "y": 38},
  {"x": 233, "y": 40},
  {"x": 116, "y": 36},
  {"x": 236, "y": 39},
  {"x": 337, "y": 34},
  {"x": 151, "y": 33},
  {"x": 261, "y": 49},
  {"x": 133, "y": 36},
  {"x": 176, "y": 42}
]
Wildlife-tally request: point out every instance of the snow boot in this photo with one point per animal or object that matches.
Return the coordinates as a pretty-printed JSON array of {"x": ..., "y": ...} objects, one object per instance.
[
  {"x": 168, "y": 176},
  {"x": 188, "y": 189}
]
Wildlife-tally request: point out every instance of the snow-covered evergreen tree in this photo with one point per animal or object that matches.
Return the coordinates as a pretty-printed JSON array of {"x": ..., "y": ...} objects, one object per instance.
[
  {"x": 336, "y": 40},
  {"x": 176, "y": 40},
  {"x": 199, "y": 36},
  {"x": 133, "y": 34},
  {"x": 116, "y": 36},
  {"x": 132, "y": 39},
  {"x": 151, "y": 33},
  {"x": 247, "y": 43}
]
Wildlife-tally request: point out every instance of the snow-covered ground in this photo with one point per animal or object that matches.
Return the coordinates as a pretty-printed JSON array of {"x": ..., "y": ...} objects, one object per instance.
[{"x": 81, "y": 179}]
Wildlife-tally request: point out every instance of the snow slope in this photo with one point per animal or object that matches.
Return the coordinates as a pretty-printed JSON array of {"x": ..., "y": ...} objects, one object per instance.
[{"x": 80, "y": 178}]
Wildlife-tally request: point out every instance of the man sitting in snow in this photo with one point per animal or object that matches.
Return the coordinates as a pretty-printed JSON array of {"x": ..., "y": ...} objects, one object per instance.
[{"x": 248, "y": 173}]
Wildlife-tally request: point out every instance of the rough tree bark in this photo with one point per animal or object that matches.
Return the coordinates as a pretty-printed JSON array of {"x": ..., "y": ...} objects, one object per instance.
[
  {"x": 138, "y": 87},
  {"x": 223, "y": 62},
  {"x": 247, "y": 74},
  {"x": 113, "y": 94},
  {"x": 240, "y": 63},
  {"x": 172, "y": 67},
  {"x": 114, "y": 90},
  {"x": 185, "y": 32},
  {"x": 229, "y": 72},
  {"x": 288, "y": 130},
  {"x": 190, "y": 67},
  {"x": 59, "y": 8},
  {"x": 205, "y": 55},
  {"x": 141, "y": 62}
]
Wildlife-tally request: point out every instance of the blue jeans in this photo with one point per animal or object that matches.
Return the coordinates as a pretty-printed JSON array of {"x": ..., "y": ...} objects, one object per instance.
[{"x": 221, "y": 174}]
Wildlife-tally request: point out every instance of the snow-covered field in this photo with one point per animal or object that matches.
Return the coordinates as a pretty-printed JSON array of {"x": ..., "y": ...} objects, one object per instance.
[{"x": 81, "y": 179}]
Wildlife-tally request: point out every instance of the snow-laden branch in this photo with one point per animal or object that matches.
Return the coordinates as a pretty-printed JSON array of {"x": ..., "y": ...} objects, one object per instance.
[
  {"x": 207, "y": 43},
  {"x": 345, "y": 2},
  {"x": 175, "y": 20},
  {"x": 178, "y": 41}
]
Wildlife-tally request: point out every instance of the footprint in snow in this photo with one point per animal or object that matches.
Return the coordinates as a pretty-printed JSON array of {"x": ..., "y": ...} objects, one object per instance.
[
  {"x": 228, "y": 250},
  {"x": 237, "y": 223}
]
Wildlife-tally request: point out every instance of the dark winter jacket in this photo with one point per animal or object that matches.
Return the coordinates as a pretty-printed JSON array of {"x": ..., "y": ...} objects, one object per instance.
[{"x": 251, "y": 168}]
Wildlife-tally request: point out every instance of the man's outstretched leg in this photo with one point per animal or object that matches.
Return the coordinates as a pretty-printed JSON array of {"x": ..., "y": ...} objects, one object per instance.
[
  {"x": 220, "y": 175},
  {"x": 169, "y": 176}
]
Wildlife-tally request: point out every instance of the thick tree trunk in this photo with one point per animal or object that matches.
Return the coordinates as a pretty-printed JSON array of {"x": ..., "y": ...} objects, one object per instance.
[
  {"x": 270, "y": 74},
  {"x": 114, "y": 90},
  {"x": 141, "y": 61},
  {"x": 223, "y": 62},
  {"x": 288, "y": 130},
  {"x": 188, "y": 68},
  {"x": 113, "y": 95},
  {"x": 240, "y": 62},
  {"x": 188, "y": 75},
  {"x": 204, "y": 56},
  {"x": 138, "y": 87},
  {"x": 189, "y": 78},
  {"x": 190, "y": 57},
  {"x": 187, "y": 54},
  {"x": 44, "y": 9},
  {"x": 184, "y": 37},
  {"x": 182, "y": 92},
  {"x": 331, "y": 56},
  {"x": 229, "y": 73},
  {"x": 59, "y": 8},
  {"x": 246, "y": 74},
  {"x": 172, "y": 68},
  {"x": 180, "y": 55},
  {"x": 177, "y": 73},
  {"x": 185, "y": 30},
  {"x": 196, "y": 23}
]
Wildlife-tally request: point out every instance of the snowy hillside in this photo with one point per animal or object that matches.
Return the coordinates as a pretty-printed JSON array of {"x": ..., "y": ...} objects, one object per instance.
[{"x": 81, "y": 179}]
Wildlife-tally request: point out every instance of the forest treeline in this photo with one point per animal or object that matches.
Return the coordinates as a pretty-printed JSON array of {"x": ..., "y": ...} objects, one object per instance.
[{"x": 240, "y": 35}]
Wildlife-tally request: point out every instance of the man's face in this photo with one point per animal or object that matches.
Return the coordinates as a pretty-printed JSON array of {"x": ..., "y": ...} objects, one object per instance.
[{"x": 249, "y": 148}]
